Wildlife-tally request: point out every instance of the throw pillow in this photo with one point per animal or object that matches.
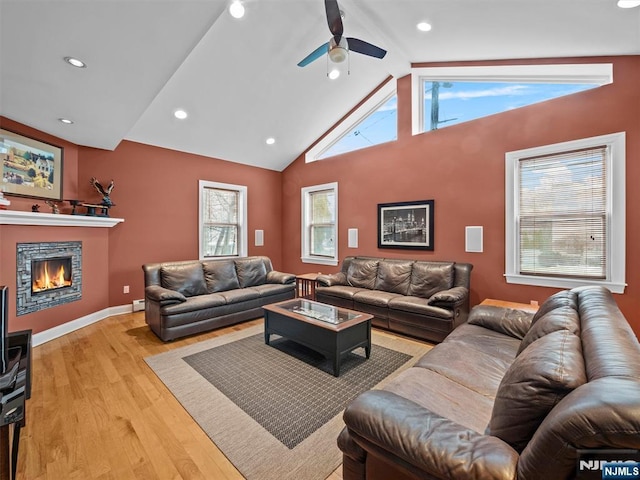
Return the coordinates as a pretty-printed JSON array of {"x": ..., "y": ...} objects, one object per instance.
[
  {"x": 542, "y": 375},
  {"x": 187, "y": 279},
  {"x": 564, "y": 298}
]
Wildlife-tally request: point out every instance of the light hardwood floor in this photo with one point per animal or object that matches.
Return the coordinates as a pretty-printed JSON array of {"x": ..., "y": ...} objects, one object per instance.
[{"x": 97, "y": 411}]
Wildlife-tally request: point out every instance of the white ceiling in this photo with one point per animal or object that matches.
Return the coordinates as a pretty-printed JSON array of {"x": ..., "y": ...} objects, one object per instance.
[{"x": 238, "y": 79}]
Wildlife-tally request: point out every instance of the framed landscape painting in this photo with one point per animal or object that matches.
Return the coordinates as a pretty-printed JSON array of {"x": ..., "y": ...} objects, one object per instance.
[
  {"x": 30, "y": 168},
  {"x": 406, "y": 225}
]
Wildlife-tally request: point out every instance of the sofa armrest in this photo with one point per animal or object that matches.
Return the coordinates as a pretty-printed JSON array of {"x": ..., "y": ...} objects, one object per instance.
[
  {"x": 280, "y": 277},
  {"x": 163, "y": 296},
  {"x": 450, "y": 298},
  {"x": 509, "y": 321},
  {"x": 420, "y": 439},
  {"x": 330, "y": 280}
]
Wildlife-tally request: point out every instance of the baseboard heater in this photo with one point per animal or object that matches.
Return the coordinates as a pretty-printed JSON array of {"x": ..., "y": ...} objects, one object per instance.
[{"x": 138, "y": 305}]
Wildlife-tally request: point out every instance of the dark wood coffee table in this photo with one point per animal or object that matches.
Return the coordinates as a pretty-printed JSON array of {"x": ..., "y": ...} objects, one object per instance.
[{"x": 329, "y": 330}]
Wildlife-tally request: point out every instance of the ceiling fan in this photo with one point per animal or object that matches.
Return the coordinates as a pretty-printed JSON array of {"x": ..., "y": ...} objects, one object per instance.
[{"x": 338, "y": 47}]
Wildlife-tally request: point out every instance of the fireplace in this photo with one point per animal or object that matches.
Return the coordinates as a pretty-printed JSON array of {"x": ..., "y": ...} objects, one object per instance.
[{"x": 48, "y": 274}]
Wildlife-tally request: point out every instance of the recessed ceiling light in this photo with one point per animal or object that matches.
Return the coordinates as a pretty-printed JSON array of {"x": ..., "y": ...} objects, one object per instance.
[
  {"x": 333, "y": 74},
  {"x": 180, "y": 114},
  {"x": 423, "y": 26},
  {"x": 270, "y": 141},
  {"x": 66, "y": 121},
  {"x": 628, "y": 3},
  {"x": 236, "y": 9},
  {"x": 75, "y": 62}
]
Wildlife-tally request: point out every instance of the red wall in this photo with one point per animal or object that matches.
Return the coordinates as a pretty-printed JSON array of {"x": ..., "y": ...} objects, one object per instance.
[
  {"x": 461, "y": 167},
  {"x": 156, "y": 192}
]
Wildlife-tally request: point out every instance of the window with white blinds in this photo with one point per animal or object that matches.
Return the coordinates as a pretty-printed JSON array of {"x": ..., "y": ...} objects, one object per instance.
[
  {"x": 222, "y": 220},
  {"x": 319, "y": 224},
  {"x": 565, "y": 214}
]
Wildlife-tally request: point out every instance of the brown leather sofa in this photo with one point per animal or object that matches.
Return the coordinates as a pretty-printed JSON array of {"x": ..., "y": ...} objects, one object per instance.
[
  {"x": 183, "y": 298},
  {"x": 509, "y": 395},
  {"x": 423, "y": 299}
]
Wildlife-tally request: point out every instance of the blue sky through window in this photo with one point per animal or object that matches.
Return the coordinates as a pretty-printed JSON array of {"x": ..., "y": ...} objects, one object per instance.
[
  {"x": 379, "y": 127},
  {"x": 450, "y": 103}
]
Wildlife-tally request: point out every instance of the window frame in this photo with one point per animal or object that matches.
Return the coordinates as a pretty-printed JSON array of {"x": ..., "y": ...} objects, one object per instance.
[
  {"x": 243, "y": 241},
  {"x": 593, "y": 73},
  {"x": 306, "y": 194},
  {"x": 369, "y": 106},
  {"x": 615, "y": 213}
]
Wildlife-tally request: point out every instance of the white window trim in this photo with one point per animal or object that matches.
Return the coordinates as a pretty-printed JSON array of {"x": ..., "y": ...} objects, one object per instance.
[
  {"x": 382, "y": 95},
  {"x": 594, "y": 73},
  {"x": 615, "y": 280},
  {"x": 306, "y": 254},
  {"x": 242, "y": 217}
]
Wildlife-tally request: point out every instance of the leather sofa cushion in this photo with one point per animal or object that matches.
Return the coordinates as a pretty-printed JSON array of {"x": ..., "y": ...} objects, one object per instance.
[
  {"x": 512, "y": 322},
  {"x": 362, "y": 272},
  {"x": 562, "y": 318},
  {"x": 220, "y": 275},
  {"x": 542, "y": 375},
  {"x": 251, "y": 272},
  {"x": 394, "y": 276},
  {"x": 374, "y": 297},
  {"x": 564, "y": 298},
  {"x": 196, "y": 303},
  {"x": 418, "y": 305},
  {"x": 186, "y": 279},
  {"x": 428, "y": 278},
  {"x": 340, "y": 291},
  {"x": 239, "y": 295}
]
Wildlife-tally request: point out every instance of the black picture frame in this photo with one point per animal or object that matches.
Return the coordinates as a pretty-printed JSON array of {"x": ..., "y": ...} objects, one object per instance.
[
  {"x": 406, "y": 225},
  {"x": 30, "y": 168}
]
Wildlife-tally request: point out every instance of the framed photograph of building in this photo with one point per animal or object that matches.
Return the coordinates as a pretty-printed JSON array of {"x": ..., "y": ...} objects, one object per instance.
[
  {"x": 406, "y": 225},
  {"x": 30, "y": 168}
]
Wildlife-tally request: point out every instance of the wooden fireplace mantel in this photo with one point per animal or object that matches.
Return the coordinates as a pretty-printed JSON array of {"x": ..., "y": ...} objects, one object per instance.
[{"x": 12, "y": 217}]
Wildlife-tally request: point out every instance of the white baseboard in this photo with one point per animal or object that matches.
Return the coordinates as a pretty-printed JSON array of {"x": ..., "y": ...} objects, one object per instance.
[{"x": 73, "y": 325}]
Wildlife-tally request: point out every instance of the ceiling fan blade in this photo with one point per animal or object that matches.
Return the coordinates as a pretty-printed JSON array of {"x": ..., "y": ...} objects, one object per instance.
[
  {"x": 317, "y": 53},
  {"x": 365, "y": 48},
  {"x": 333, "y": 18}
]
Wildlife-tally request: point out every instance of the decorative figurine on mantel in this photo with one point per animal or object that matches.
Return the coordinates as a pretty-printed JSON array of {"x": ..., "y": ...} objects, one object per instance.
[
  {"x": 106, "y": 199},
  {"x": 105, "y": 192},
  {"x": 4, "y": 203},
  {"x": 35, "y": 208},
  {"x": 54, "y": 206}
]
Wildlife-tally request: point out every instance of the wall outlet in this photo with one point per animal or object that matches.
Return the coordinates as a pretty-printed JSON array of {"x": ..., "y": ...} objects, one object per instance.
[{"x": 125, "y": 289}]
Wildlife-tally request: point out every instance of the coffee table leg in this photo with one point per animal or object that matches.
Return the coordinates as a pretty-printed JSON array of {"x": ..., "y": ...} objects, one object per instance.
[
  {"x": 266, "y": 337},
  {"x": 336, "y": 366}
]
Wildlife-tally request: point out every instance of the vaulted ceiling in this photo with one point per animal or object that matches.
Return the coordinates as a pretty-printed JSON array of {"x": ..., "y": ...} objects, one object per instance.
[{"x": 238, "y": 79}]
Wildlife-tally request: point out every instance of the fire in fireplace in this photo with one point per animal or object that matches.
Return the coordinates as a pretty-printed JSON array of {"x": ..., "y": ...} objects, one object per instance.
[{"x": 50, "y": 273}]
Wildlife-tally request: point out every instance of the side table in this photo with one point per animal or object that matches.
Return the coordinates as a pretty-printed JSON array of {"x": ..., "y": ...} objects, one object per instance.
[
  {"x": 507, "y": 304},
  {"x": 306, "y": 285}
]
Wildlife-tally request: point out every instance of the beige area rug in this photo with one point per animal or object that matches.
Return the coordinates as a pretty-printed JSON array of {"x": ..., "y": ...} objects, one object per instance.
[{"x": 276, "y": 411}]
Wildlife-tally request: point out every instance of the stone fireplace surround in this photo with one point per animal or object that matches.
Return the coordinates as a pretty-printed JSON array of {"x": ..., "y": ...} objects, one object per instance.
[{"x": 26, "y": 300}]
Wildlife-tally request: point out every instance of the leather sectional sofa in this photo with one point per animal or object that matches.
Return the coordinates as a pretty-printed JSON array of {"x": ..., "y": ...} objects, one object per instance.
[
  {"x": 510, "y": 395},
  {"x": 423, "y": 299},
  {"x": 183, "y": 298}
]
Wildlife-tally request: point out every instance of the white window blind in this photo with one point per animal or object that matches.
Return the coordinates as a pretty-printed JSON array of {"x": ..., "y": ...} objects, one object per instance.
[
  {"x": 221, "y": 226},
  {"x": 322, "y": 226},
  {"x": 563, "y": 214}
]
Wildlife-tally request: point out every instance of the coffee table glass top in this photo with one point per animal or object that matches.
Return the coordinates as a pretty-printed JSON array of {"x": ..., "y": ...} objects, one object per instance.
[{"x": 318, "y": 311}]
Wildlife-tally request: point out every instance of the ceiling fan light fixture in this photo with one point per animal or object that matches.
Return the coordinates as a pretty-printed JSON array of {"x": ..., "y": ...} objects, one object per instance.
[
  {"x": 333, "y": 74},
  {"x": 628, "y": 3},
  {"x": 338, "y": 54},
  {"x": 236, "y": 9}
]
